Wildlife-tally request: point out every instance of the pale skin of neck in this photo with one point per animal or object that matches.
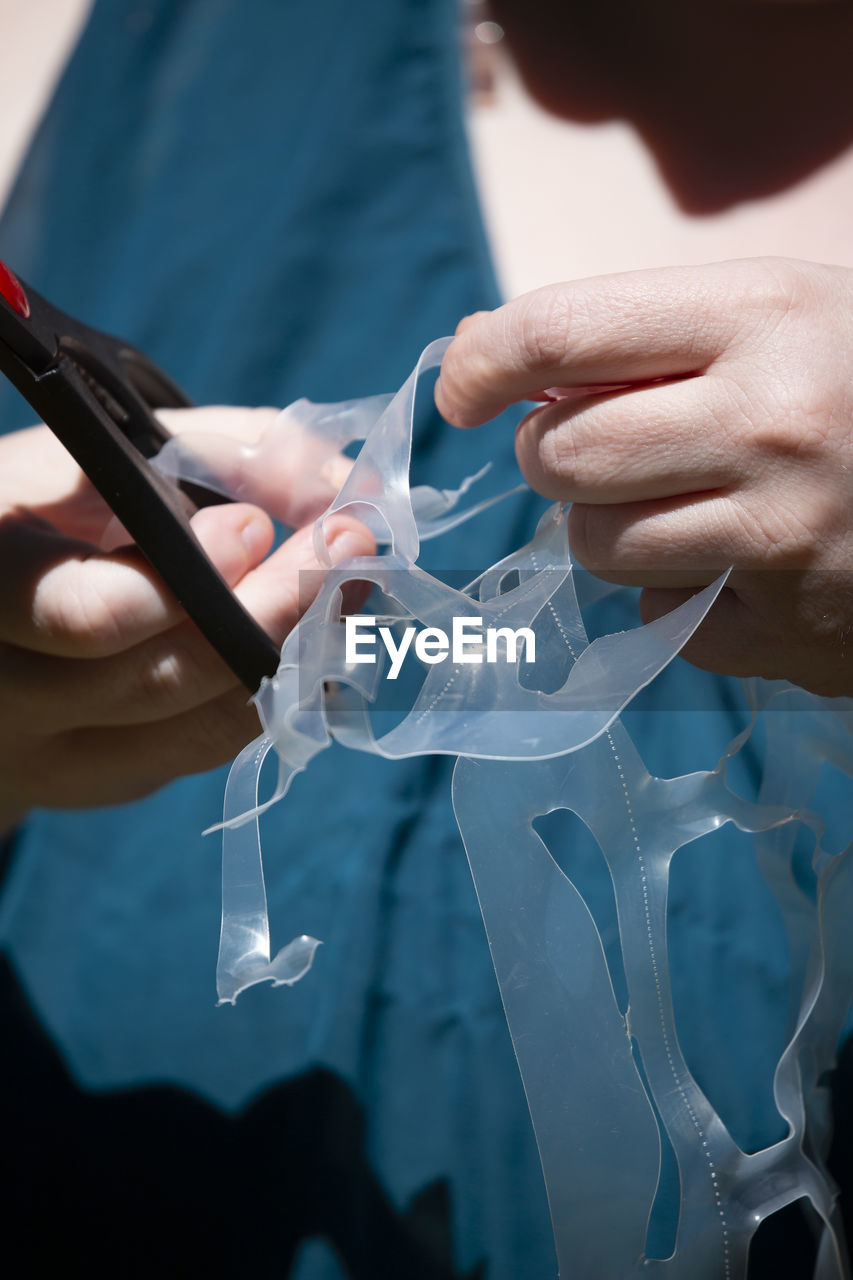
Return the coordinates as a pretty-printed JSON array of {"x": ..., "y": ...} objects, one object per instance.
[{"x": 565, "y": 200}]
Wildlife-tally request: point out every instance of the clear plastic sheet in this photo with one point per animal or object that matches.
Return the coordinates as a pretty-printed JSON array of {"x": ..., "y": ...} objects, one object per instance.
[{"x": 600, "y": 1081}]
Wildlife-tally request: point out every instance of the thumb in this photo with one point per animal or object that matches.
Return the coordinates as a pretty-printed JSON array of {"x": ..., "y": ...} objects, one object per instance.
[{"x": 235, "y": 536}]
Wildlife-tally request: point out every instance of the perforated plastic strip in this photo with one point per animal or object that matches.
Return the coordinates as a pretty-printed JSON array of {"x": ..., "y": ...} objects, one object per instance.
[{"x": 599, "y": 1083}]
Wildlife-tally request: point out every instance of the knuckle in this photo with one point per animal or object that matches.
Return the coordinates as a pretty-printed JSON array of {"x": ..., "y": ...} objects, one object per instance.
[
  {"x": 539, "y": 328},
  {"x": 751, "y": 420},
  {"x": 572, "y": 453},
  {"x": 162, "y": 677},
  {"x": 762, "y": 533},
  {"x": 772, "y": 292},
  {"x": 773, "y": 282},
  {"x": 177, "y": 671},
  {"x": 558, "y": 457},
  {"x": 786, "y": 419},
  {"x": 70, "y": 608},
  {"x": 770, "y": 530},
  {"x": 571, "y": 462}
]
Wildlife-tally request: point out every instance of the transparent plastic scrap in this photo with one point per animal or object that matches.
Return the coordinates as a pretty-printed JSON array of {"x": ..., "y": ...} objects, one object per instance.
[{"x": 599, "y": 1082}]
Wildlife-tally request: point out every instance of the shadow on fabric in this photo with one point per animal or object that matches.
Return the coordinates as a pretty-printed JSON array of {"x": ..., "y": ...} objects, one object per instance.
[{"x": 155, "y": 1181}]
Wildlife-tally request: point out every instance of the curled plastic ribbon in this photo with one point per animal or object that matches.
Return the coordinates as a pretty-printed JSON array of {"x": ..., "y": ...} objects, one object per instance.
[{"x": 603, "y": 1083}]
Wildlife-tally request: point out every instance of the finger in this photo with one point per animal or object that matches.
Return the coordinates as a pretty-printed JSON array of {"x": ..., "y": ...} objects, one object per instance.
[
  {"x": 263, "y": 456},
  {"x": 176, "y": 670},
  {"x": 236, "y": 421},
  {"x": 114, "y": 765},
  {"x": 672, "y": 542},
  {"x": 63, "y": 597},
  {"x": 725, "y": 641},
  {"x": 165, "y": 675},
  {"x": 636, "y": 326},
  {"x": 756, "y": 628},
  {"x": 278, "y": 591},
  {"x": 38, "y": 474},
  {"x": 629, "y": 445},
  {"x": 690, "y": 539},
  {"x": 36, "y": 468}
]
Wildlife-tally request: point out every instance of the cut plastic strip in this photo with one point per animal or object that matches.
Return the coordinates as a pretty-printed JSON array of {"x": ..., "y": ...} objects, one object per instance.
[{"x": 601, "y": 1085}]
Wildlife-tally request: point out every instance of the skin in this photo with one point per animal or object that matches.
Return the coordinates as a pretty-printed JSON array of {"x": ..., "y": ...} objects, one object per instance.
[
  {"x": 705, "y": 419},
  {"x": 732, "y": 98},
  {"x": 108, "y": 690}
]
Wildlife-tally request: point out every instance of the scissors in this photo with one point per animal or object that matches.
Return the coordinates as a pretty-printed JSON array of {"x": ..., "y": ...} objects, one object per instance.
[{"x": 97, "y": 394}]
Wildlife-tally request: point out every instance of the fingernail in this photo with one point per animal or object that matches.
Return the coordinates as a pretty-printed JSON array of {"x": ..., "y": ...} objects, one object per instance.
[
  {"x": 336, "y": 471},
  {"x": 345, "y": 544},
  {"x": 255, "y": 535}
]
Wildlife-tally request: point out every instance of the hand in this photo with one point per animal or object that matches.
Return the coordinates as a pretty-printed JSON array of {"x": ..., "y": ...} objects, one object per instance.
[
  {"x": 698, "y": 417},
  {"x": 108, "y": 690}
]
